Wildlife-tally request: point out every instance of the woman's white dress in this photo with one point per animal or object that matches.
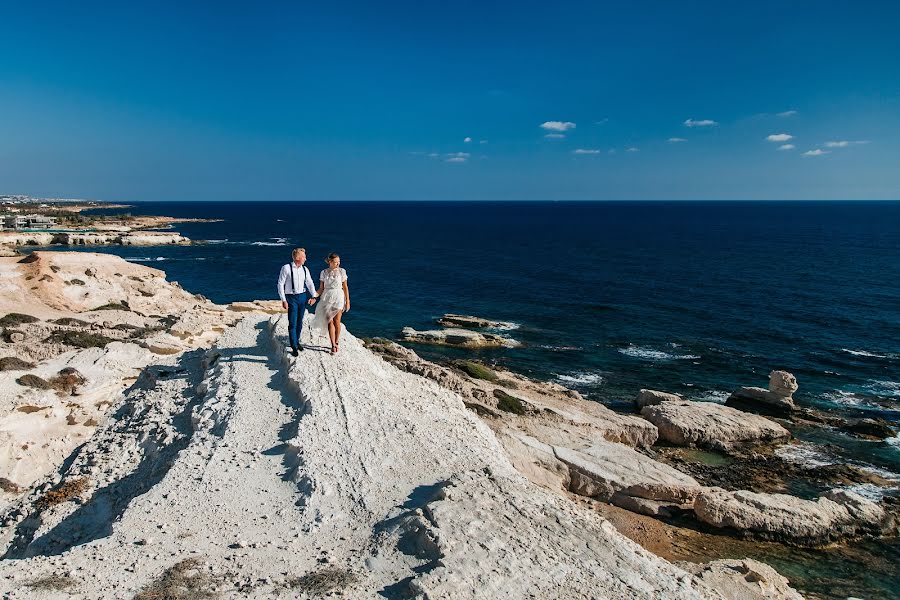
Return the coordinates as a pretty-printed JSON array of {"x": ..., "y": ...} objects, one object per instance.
[{"x": 331, "y": 302}]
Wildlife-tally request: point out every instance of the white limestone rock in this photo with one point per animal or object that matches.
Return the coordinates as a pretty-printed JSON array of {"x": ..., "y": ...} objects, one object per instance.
[
  {"x": 745, "y": 579},
  {"x": 835, "y": 516},
  {"x": 461, "y": 338},
  {"x": 686, "y": 423},
  {"x": 651, "y": 397}
]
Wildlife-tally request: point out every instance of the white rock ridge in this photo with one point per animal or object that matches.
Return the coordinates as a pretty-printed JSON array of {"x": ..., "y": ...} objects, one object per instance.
[{"x": 266, "y": 470}]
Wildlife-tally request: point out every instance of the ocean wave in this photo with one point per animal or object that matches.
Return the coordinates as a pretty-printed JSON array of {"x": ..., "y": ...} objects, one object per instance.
[
  {"x": 867, "y": 354},
  {"x": 146, "y": 259},
  {"x": 804, "y": 454},
  {"x": 810, "y": 456},
  {"x": 881, "y": 387},
  {"x": 225, "y": 241},
  {"x": 505, "y": 326},
  {"x": 580, "y": 378},
  {"x": 560, "y": 348},
  {"x": 880, "y": 395},
  {"x": 869, "y": 491},
  {"x": 646, "y": 353},
  {"x": 277, "y": 241},
  {"x": 717, "y": 396}
]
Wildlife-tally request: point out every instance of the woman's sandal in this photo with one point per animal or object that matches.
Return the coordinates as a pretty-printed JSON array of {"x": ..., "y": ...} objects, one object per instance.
[{"x": 334, "y": 348}]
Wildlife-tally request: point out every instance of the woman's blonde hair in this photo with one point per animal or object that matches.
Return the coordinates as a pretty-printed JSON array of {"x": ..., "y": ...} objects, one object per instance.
[{"x": 331, "y": 257}]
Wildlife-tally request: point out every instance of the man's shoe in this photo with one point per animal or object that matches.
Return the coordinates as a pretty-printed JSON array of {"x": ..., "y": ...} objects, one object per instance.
[
  {"x": 294, "y": 352},
  {"x": 301, "y": 348}
]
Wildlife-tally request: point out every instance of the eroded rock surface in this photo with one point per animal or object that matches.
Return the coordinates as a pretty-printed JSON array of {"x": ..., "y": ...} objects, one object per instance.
[
  {"x": 838, "y": 515},
  {"x": 686, "y": 423},
  {"x": 462, "y": 338}
]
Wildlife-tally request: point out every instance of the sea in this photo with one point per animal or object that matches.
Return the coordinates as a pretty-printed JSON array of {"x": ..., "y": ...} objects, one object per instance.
[{"x": 697, "y": 298}]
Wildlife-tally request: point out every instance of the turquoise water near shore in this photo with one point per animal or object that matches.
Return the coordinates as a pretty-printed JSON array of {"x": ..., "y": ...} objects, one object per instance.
[{"x": 607, "y": 298}]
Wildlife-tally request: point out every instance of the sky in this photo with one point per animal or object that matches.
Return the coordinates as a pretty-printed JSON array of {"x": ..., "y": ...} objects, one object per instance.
[{"x": 635, "y": 100}]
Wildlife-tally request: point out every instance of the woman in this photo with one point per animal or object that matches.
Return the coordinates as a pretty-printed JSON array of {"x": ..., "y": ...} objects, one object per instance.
[{"x": 334, "y": 300}]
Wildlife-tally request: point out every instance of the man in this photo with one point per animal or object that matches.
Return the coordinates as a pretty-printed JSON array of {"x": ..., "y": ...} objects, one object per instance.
[{"x": 296, "y": 290}]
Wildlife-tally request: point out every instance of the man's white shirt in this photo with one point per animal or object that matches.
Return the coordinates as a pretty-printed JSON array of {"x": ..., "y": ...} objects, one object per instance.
[{"x": 301, "y": 277}]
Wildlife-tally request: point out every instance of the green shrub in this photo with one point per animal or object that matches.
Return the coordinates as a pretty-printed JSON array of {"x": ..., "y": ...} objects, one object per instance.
[
  {"x": 33, "y": 381},
  {"x": 71, "y": 322},
  {"x": 473, "y": 369},
  {"x": 13, "y": 363},
  {"x": 13, "y": 319},
  {"x": 508, "y": 403},
  {"x": 123, "y": 305},
  {"x": 79, "y": 339}
]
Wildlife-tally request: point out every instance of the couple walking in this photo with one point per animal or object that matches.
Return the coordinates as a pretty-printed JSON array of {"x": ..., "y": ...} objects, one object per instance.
[{"x": 296, "y": 290}]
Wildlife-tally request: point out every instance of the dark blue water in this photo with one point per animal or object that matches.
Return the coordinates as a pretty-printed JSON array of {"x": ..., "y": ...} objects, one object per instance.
[{"x": 694, "y": 298}]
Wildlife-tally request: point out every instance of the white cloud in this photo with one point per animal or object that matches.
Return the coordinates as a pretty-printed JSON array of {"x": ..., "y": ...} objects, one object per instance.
[
  {"x": 467, "y": 140},
  {"x": 557, "y": 125},
  {"x": 452, "y": 157},
  {"x": 844, "y": 143},
  {"x": 780, "y": 137},
  {"x": 700, "y": 123},
  {"x": 787, "y": 113},
  {"x": 632, "y": 149},
  {"x": 483, "y": 142},
  {"x": 554, "y": 136},
  {"x": 786, "y": 147},
  {"x": 585, "y": 151},
  {"x": 676, "y": 140},
  {"x": 816, "y": 152}
]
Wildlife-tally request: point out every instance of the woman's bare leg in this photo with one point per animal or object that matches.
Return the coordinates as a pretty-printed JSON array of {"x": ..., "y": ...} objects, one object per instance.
[
  {"x": 331, "y": 336},
  {"x": 337, "y": 327}
]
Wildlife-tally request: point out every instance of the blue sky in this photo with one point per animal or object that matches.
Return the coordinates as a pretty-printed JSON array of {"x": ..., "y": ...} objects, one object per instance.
[{"x": 351, "y": 100}]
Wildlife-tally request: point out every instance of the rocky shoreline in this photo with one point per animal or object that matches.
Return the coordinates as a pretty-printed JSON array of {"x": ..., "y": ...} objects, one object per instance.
[{"x": 129, "y": 415}]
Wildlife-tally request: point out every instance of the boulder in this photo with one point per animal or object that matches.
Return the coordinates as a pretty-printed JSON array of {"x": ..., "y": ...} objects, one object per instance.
[
  {"x": 782, "y": 383},
  {"x": 686, "y": 423},
  {"x": 461, "y": 338},
  {"x": 745, "y": 579},
  {"x": 838, "y": 515},
  {"x": 777, "y": 401},
  {"x": 876, "y": 428},
  {"x": 650, "y": 397},
  {"x": 604, "y": 468},
  {"x": 643, "y": 506}
]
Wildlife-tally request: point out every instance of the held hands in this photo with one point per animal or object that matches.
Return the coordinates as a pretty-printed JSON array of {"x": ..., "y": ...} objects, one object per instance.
[{"x": 311, "y": 301}]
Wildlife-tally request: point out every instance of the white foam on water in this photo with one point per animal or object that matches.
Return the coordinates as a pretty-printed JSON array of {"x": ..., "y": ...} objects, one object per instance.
[
  {"x": 882, "y": 387},
  {"x": 717, "y": 396},
  {"x": 580, "y": 378},
  {"x": 646, "y": 353},
  {"x": 804, "y": 454},
  {"x": 867, "y": 354},
  {"x": 560, "y": 348},
  {"x": 869, "y": 491}
]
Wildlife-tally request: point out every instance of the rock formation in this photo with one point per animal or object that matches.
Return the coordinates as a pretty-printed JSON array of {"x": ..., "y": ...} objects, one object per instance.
[
  {"x": 838, "y": 515},
  {"x": 686, "y": 423},
  {"x": 650, "y": 397},
  {"x": 470, "y": 322},
  {"x": 462, "y": 338},
  {"x": 777, "y": 401}
]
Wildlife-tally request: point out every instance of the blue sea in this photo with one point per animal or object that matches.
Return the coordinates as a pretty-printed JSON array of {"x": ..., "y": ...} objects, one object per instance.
[{"x": 697, "y": 298}]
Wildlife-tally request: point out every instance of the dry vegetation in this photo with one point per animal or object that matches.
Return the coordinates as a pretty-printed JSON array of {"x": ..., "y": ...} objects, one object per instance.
[
  {"x": 13, "y": 363},
  {"x": 67, "y": 490},
  {"x": 323, "y": 581},
  {"x": 185, "y": 580},
  {"x": 51, "y": 582}
]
